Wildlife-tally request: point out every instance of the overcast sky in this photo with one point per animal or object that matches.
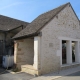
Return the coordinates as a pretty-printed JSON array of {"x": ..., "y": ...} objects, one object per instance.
[{"x": 28, "y": 10}]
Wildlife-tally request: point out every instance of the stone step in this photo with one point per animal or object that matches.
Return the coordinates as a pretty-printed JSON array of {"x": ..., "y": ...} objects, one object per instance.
[
  {"x": 69, "y": 66},
  {"x": 28, "y": 69}
]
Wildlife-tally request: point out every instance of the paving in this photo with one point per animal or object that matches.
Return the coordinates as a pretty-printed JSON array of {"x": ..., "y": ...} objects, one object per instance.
[
  {"x": 74, "y": 76},
  {"x": 7, "y": 75},
  {"x": 68, "y": 78},
  {"x": 59, "y": 74}
]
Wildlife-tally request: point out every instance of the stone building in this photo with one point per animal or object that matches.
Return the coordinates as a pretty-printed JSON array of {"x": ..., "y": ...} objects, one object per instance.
[
  {"x": 51, "y": 42},
  {"x": 8, "y": 28}
]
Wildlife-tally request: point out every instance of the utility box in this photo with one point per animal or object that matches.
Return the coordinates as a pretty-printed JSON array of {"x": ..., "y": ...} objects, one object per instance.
[{"x": 8, "y": 61}]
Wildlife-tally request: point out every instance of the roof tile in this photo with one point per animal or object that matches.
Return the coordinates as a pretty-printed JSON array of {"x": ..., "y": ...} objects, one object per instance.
[
  {"x": 39, "y": 22},
  {"x": 7, "y": 23}
]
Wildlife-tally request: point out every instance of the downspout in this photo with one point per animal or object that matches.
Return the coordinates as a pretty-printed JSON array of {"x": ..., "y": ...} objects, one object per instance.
[{"x": 5, "y": 34}]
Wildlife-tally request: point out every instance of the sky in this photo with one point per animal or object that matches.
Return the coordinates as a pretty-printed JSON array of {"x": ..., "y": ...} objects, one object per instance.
[{"x": 28, "y": 10}]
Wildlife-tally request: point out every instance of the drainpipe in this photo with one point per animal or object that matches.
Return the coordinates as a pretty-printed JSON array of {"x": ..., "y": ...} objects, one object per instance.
[{"x": 5, "y": 42}]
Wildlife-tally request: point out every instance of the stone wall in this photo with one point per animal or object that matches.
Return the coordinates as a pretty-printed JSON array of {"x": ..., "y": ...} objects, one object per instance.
[
  {"x": 9, "y": 42},
  {"x": 1, "y": 36},
  {"x": 24, "y": 52},
  {"x": 65, "y": 24}
]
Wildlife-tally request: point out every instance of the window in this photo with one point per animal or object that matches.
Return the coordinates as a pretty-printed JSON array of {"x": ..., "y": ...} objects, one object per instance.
[
  {"x": 63, "y": 52},
  {"x": 69, "y": 52}
]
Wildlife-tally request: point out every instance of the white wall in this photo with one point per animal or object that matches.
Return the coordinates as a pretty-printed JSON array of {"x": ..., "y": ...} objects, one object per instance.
[{"x": 66, "y": 25}]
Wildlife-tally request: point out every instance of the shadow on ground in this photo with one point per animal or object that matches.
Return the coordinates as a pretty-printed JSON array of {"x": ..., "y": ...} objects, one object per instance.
[
  {"x": 6, "y": 75},
  {"x": 3, "y": 71}
]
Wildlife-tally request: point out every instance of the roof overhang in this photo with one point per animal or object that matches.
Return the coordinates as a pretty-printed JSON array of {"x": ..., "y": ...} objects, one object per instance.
[{"x": 26, "y": 36}]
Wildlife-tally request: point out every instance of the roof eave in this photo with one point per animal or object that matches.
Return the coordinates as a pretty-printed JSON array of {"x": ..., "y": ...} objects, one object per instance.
[
  {"x": 52, "y": 17},
  {"x": 2, "y": 31},
  {"x": 14, "y": 28},
  {"x": 26, "y": 36},
  {"x": 74, "y": 12}
]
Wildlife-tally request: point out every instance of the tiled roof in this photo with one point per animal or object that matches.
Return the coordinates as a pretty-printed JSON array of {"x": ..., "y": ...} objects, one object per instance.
[
  {"x": 7, "y": 23},
  {"x": 38, "y": 23}
]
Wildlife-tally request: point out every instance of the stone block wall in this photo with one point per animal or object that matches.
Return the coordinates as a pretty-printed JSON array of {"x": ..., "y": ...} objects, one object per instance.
[{"x": 24, "y": 52}]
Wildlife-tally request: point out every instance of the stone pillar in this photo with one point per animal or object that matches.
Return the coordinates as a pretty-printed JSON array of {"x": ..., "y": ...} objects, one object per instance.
[
  {"x": 69, "y": 52},
  {"x": 15, "y": 52},
  {"x": 61, "y": 52},
  {"x": 77, "y": 52},
  {"x": 36, "y": 52}
]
